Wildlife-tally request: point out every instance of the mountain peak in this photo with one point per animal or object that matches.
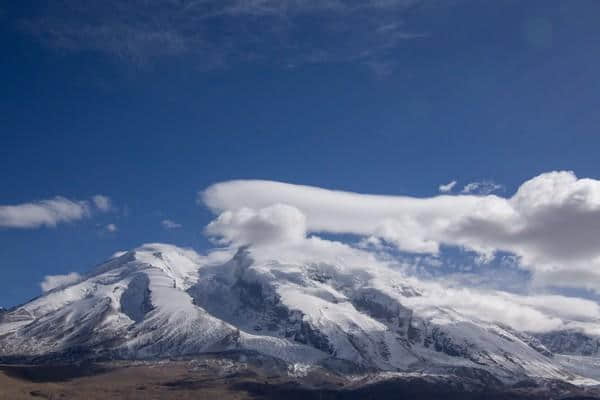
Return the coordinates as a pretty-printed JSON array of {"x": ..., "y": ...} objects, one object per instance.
[
  {"x": 179, "y": 263},
  {"x": 161, "y": 301}
]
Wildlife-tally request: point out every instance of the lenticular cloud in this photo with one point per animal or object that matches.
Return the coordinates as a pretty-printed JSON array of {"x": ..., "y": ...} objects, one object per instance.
[{"x": 552, "y": 222}]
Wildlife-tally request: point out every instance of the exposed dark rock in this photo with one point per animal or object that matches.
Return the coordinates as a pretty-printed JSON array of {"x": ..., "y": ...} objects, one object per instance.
[
  {"x": 135, "y": 300},
  {"x": 570, "y": 342},
  {"x": 308, "y": 335}
]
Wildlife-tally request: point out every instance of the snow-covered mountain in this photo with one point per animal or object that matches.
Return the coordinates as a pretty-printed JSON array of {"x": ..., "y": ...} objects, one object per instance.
[
  {"x": 160, "y": 301},
  {"x": 571, "y": 342}
]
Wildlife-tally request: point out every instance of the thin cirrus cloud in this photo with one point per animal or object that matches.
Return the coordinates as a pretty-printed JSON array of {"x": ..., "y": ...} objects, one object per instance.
[
  {"x": 141, "y": 31},
  {"x": 50, "y": 212},
  {"x": 170, "y": 224},
  {"x": 483, "y": 188},
  {"x": 551, "y": 223}
]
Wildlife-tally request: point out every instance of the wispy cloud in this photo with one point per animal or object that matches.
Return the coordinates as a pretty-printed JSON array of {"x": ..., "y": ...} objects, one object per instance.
[
  {"x": 447, "y": 187},
  {"x": 217, "y": 32},
  {"x": 55, "y": 281},
  {"x": 482, "y": 188},
  {"x": 102, "y": 202},
  {"x": 50, "y": 212},
  {"x": 169, "y": 224},
  {"x": 112, "y": 228}
]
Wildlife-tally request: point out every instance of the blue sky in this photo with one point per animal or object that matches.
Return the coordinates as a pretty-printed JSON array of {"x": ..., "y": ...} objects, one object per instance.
[{"x": 148, "y": 103}]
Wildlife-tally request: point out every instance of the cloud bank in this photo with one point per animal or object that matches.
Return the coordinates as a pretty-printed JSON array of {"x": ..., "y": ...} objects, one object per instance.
[
  {"x": 50, "y": 212},
  {"x": 530, "y": 313},
  {"x": 552, "y": 222}
]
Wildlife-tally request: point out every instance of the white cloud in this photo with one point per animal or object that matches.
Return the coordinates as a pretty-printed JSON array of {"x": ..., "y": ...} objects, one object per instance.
[
  {"x": 169, "y": 224},
  {"x": 482, "y": 188},
  {"x": 118, "y": 254},
  {"x": 43, "y": 213},
  {"x": 101, "y": 202},
  {"x": 371, "y": 242},
  {"x": 273, "y": 224},
  {"x": 531, "y": 313},
  {"x": 552, "y": 222},
  {"x": 111, "y": 228},
  {"x": 447, "y": 187},
  {"x": 49, "y": 212},
  {"x": 54, "y": 281}
]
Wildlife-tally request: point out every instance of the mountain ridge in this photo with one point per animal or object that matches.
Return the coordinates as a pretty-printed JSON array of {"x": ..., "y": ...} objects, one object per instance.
[{"x": 160, "y": 301}]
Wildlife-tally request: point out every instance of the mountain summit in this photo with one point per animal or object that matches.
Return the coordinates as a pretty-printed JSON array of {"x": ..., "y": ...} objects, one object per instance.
[{"x": 160, "y": 301}]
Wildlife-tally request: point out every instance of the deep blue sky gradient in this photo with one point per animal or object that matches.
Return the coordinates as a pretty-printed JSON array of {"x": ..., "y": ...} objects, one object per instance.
[{"x": 473, "y": 100}]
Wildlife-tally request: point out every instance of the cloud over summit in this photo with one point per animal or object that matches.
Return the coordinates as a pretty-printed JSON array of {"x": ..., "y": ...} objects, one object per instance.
[
  {"x": 272, "y": 224},
  {"x": 552, "y": 222}
]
